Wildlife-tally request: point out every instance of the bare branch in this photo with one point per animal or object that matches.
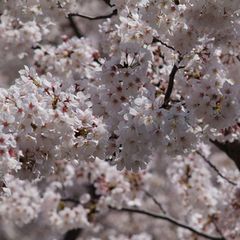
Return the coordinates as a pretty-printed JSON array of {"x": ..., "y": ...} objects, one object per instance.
[
  {"x": 171, "y": 82},
  {"x": 171, "y": 220},
  {"x": 165, "y": 44},
  {"x": 175, "y": 68},
  {"x": 75, "y": 201},
  {"x": 72, "y": 234},
  {"x": 59, "y": 5},
  {"x": 232, "y": 149},
  {"x": 74, "y": 27},
  {"x": 176, "y": 2},
  {"x": 155, "y": 201},
  {"x": 158, "y": 216},
  {"x": 108, "y": 3},
  {"x": 215, "y": 169},
  {"x": 72, "y": 22},
  {"x": 93, "y": 18}
]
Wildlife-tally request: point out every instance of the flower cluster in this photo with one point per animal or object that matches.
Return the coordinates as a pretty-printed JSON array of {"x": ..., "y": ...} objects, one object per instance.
[{"x": 55, "y": 124}]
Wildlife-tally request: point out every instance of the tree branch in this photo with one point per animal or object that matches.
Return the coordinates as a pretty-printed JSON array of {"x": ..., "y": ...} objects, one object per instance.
[
  {"x": 75, "y": 201},
  {"x": 215, "y": 169},
  {"x": 158, "y": 216},
  {"x": 171, "y": 220},
  {"x": 93, "y": 18},
  {"x": 165, "y": 44},
  {"x": 74, "y": 27},
  {"x": 155, "y": 201},
  {"x": 72, "y": 234},
  {"x": 232, "y": 149},
  {"x": 175, "y": 68},
  {"x": 108, "y": 3},
  {"x": 171, "y": 82},
  {"x": 72, "y": 23}
]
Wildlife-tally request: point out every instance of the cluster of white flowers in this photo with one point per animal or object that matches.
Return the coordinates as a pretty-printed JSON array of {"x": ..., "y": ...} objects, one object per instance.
[
  {"x": 21, "y": 202},
  {"x": 75, "y": 56},
  {"x": 55, "y": 124},
  {"x": 18, "y": 33},
  {"x": 97, "y": 120},
  {"x": 9, "y": 154}
]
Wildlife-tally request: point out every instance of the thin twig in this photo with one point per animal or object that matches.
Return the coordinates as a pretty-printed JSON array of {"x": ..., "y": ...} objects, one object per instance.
[
  {"x": 218, "y": 229},
  {"x": 165, "y": 44},
  {"x": 171, "y": 220},
  {"x": 155, "y": 201},
  {"x": 93, "y": 18},
  {"x": 59, "y": 5},
  {"x": 158, "y": 216},
  {"x": 70, "y": 200},
  {"x": 215, "y": 168}
]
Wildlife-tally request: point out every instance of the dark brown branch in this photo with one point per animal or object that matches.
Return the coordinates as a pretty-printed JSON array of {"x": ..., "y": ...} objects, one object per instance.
[
  {"x": 175, "y": 68},
  {"x": 232, "y": 149},
  {"x": 34, "y": 47},
  {"x": 176, "y": 2},
  {"x": 93, "y": 18},
  {"x": 173, "y": 72},
  {"x": 108, "y": 3},
  {"x": 74, "y": 27},
  {"x": 169, "y": 219},
  {"x": 215, "y": 169},
  {"x": 59, "y": 5},
  {"x": 72, "y": 234},
  {"x": 171, "y": 83},
  {"x": 75, "y": 201}
]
